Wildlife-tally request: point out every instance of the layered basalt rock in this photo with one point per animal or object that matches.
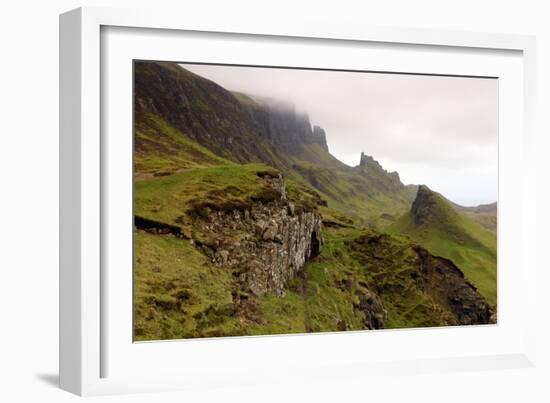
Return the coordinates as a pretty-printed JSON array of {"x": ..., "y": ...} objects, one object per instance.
[{"x": 265, "y": 242}]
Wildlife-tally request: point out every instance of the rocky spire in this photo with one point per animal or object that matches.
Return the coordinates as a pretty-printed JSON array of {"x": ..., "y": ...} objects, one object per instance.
[{"x": 320, "y": 137}]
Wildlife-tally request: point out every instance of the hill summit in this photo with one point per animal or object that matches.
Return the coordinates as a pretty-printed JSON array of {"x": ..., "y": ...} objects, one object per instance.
[{"x": 430, "y": 207}]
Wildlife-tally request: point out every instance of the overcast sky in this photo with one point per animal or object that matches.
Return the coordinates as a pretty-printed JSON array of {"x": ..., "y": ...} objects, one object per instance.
[{"x": 438, "y": 131}]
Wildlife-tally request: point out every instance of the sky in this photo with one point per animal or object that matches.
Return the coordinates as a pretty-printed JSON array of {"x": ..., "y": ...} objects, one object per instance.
[{"x": 437, "y": 131}]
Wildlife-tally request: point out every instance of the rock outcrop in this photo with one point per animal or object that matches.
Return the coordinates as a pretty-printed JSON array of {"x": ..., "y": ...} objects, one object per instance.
[
  {"x": 265, "y": 242},
  {"x": 286, "y": 129},
  {"x": 406, "y": 272},
  {"x": 319, "y": 136},
  {"x": 372, "y": 307},
  {"x": 441, "y": 277}
]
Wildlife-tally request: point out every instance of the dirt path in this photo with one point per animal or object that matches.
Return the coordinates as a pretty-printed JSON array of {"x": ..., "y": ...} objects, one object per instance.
[{"x": 307, "y": 320}]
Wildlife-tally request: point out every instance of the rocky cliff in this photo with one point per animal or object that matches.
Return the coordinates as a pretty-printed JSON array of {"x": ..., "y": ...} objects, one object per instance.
[
  {"x": 232, "y": 125},
  {"x": 266, "y": 242},
  {"x": 441, "y": 276},
  {"x": 407, "y": 272},
  {"x": 286, "y": 129}
]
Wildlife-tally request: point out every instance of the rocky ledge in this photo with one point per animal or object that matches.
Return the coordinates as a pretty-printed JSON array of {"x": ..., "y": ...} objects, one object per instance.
[
  {"x": 266, "y": 241},
  {"x": 441, "y": 276}
]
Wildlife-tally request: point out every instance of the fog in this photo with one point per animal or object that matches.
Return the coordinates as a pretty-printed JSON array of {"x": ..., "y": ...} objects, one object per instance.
[{"x": 438, "y": 131}]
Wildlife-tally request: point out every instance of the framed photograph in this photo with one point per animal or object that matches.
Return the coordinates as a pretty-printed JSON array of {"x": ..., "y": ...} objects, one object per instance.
[{"x": 249, "y": 201}]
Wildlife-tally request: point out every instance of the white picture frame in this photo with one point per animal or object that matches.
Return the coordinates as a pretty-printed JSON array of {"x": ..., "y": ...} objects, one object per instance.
[{"x": 86, "y": 345}]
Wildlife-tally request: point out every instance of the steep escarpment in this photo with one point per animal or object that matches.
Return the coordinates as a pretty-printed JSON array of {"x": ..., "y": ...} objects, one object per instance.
[
  {"x": 266, "y": 242},
  {"x": 241, "y": 217},
  {"x": 444, "y": 279},
  {"x": 289, "y": 131},
  {"x": 415, "y": 285},
  {"x": 231, "y": 125}
]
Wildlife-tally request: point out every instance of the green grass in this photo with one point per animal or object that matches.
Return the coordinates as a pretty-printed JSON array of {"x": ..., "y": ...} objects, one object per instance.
[
  {"x": 177, "y": 292},
  {"x": 168, "y": 198},
  {"x": 454, "y": 236},
  {"x": 369, "y": 197},
  {"x": 180, "y": 294},
  {"x": 160, "y": 148}
]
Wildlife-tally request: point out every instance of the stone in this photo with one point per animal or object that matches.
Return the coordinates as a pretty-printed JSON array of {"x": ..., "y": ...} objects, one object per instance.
[
  {"x": 273, "y": 245},
  {"x": 224, "y": 254},
  {"x": 271, "y": 231},
  {"x": 291, "y": 209}
]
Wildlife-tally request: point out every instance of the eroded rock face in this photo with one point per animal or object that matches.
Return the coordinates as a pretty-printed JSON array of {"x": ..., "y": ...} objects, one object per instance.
[
  {"x": 373, "y": 308},
  {"x": 286, "y": 128},
  {"x": 267, "y": 244},
  {"x": 441, "y": 276}
]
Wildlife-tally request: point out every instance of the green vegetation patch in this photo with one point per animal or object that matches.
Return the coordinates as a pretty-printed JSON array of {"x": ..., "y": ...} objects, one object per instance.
[
  {"x": 177, "y": 291},
  {"x": 168, "y": 198},
  {"x": 161, "y": 149}
]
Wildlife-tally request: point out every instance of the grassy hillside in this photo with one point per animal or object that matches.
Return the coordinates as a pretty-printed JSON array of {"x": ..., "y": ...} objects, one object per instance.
[
  {"x": 434, "y": 224},
  {"x": 179, "y": 294},
  {"x": 484, "y": 214},
  {"x": 161, "y": 149},
  {"x": 177, "y": 291}
]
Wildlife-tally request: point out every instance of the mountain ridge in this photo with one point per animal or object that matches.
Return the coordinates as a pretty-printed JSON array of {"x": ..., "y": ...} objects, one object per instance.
[{"x": 235, "y": 127}]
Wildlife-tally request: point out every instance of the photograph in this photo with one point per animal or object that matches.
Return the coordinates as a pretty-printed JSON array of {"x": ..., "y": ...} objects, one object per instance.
[{"x": 270, "y": 200}]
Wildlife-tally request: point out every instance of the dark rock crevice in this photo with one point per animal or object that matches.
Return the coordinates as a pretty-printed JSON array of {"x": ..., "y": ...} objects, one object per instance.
[{"x": 157, "y": 227}]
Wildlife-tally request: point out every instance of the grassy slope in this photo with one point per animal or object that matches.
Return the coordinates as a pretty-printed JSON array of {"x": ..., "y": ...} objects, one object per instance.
[
  {"x": 456, "y": 237},
  {"x": 370, "y": 197},
  {"x": 169, "y": 197},
  {"x": 160, "y": 148},
  {"x": 344, "y": 268},
  {"x": 179, "y": 294}
]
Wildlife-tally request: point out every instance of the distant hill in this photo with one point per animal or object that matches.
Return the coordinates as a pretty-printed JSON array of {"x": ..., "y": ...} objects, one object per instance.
[
  {"x": 484, "y": 214},
  {"x": 184, "y": 120},
  {"x": 436, "y": 225}
]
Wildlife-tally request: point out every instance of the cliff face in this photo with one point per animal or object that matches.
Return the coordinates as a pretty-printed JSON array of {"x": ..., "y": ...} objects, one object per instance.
[
  {"x": 287, "y": 130},
  {"x": 266, "y": 243},
  {"x": 409, "y": 272},
  {"x": 440, "y": 276}
]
